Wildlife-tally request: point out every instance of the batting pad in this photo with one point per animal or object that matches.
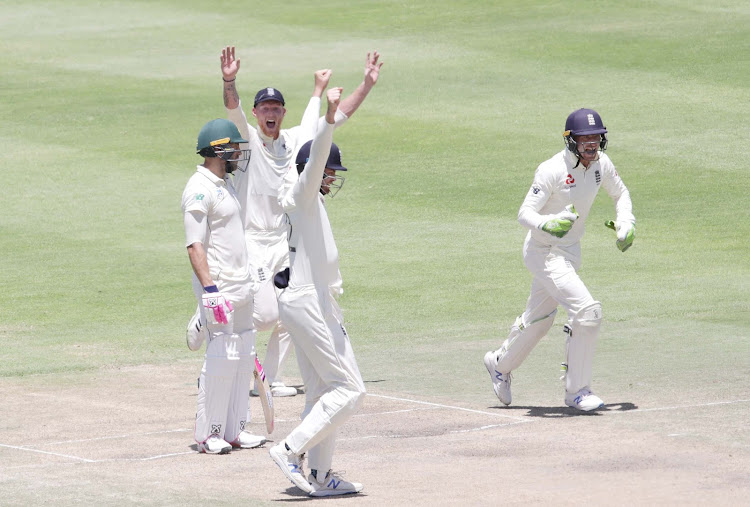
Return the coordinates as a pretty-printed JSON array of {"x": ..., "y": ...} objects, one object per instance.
[
  {"x": 521, "y": 341},
  {"x": 217, "y": 377},
  {"x": 238, "y": 412},
  {"x": 580, "y": 344}
]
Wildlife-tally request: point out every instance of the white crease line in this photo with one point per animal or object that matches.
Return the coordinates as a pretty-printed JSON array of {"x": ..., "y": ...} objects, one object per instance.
[
  {"x": 370, "y": 414},
  {"x": 147, "y": 458},
  {"x": 109, "y": 438},
  {"x": 446, "y": 406},
  {"x": 50, "y": 453}
]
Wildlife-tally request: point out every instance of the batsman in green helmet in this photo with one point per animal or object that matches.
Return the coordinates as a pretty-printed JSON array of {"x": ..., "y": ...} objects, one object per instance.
[{"x": 215, "y": 241}]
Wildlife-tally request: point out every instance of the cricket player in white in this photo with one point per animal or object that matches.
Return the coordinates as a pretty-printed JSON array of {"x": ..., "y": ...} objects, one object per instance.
[
  {"x": 555, "y": 212},
  {"x": 310, "y": 312},
  {"x": 273, "y": 152},
  {"x": 221, "y": 280}
]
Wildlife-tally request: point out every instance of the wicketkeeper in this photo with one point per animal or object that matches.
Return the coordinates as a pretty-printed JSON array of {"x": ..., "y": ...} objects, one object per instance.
[
  {"x": 308, "y": 308},
  {"x": 555, "y": 211}
]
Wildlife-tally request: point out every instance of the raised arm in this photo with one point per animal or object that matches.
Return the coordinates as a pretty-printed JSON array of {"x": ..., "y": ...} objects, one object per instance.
[
  {"x": 307, "y": 187},
  {"x": 229, "y": 68},
  {"x": 309, "y": 123},
  {"x": 372, "y": 71}
]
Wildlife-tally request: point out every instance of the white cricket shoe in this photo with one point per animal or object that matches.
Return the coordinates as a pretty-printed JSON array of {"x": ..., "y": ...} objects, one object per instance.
[
  {"x": 500, "y": 381},
  {"x": 333, "y": 484},
  {"x": 215, "y": 445},
  {"x": 280, "y": 390},
  {"x": 292, "y": 465},
  {"x": 247, "y": 440},
  {"x": 583, "y": 400},
  {"x": 195, "y": 334}
]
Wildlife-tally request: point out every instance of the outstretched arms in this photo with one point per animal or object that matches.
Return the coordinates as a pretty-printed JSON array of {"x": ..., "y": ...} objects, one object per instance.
[{"x": 372, "y": 71}]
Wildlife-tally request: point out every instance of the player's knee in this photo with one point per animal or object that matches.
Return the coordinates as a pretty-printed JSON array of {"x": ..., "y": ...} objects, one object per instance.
[{"x": 590, "y": 315}]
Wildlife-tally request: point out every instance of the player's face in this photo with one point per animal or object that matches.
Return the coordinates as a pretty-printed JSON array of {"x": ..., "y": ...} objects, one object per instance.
[
  {"x": 270, "y": 114},
  {"x": 588, "y": 147},
  {"x": 234, "y": 157},
  {"x": 332, "y": 183}
]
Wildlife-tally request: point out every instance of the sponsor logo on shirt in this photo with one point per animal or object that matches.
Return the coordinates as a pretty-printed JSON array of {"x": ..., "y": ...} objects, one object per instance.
[
  {"x": 598, "y": 176},
  {"x": 570, "y": 180},
  {"x": 199, "y": 197},
  {"x": 536, "y": 190}
]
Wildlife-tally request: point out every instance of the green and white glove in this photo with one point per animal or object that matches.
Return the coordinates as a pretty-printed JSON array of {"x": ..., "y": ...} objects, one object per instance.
[
  {"x": 561, "y": 224},
  {"x": 625, "y": 233}
]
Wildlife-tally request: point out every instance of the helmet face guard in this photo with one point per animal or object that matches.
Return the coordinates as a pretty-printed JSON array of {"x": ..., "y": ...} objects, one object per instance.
[
  {"x": 230, "y": 155},
  {"x": 332, "y": 182}
]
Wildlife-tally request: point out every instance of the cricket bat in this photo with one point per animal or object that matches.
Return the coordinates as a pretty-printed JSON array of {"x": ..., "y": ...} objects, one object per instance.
[{"x": 264, "y": 393}]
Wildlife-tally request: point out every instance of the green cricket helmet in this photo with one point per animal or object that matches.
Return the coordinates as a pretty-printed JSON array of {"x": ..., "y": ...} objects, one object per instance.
[{"x": 214, "y": 138}]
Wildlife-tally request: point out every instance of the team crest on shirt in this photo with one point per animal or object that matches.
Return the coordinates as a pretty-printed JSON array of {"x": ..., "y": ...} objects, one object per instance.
[{"x": 598, "y": 176}]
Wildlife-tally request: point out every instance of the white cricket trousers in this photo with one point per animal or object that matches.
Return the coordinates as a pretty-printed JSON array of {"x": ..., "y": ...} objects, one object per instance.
[
  {"x": 555, "y": 282},
  {"x": 333, "y": 385},
  {"x": 227, "y": 367},
  {"x": 269, "y": 253}
]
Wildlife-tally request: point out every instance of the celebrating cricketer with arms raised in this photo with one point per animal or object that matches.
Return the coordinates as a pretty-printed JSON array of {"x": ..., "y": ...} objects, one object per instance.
[
  {"x": 308, "y": 309},
  {"x": 555, "y": 211}
]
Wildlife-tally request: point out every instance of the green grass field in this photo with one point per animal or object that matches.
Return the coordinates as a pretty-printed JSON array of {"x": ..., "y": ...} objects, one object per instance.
[{"x": 102, "y": 102}]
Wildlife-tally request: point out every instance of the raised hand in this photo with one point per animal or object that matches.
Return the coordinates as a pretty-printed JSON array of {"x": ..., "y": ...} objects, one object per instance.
[
  {"x": 322, "y": 77},
  {"x": 229, "y": 65},
  {"x": 334, "y": 97},
  {"x": 372, "y": 68}
]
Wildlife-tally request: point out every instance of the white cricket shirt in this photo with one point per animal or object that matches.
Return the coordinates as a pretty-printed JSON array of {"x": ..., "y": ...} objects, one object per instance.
[
  {"x": 557, "y": 184},
  {"x": 224, "y": 235},
  {"x": 271, "y": 167},
  {"x": 313, "y": 254}
]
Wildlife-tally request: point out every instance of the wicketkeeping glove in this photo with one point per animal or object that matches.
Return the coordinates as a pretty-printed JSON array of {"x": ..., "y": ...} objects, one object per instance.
[
  {"x": 216, "y": 305},
  {"x": 562, "y": 222},
  {"x": 625, "y": 233}
]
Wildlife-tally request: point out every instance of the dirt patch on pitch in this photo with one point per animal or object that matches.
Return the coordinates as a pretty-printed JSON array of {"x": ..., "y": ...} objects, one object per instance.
[{"x": 119, "y": 436}]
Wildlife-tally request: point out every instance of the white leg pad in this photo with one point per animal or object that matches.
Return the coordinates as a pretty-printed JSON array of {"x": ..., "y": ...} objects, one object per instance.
[
  {"x": 238, "y": 411},
  {"x": 522, "y": 339},
  {"x": 216, "y": 378},
  {"x": 580, "y": 345}
]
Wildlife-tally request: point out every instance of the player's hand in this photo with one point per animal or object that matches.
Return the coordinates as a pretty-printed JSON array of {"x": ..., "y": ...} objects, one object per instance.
[
  {"x": 334, "y": 97},
  {"x": 372, "y": 68},
  {"x": 561, "y": 224},
  {"x": 229, "y": 66},
  {"x": 322, "y": 77},
  {"x": 216, "y": 306},
  {"x": 625, "y": 233}
]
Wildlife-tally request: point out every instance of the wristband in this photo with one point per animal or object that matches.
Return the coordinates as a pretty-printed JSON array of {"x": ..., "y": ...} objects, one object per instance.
[
  {"x": 229, "y": 80},
  {"x": 211, "y": 288}
]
